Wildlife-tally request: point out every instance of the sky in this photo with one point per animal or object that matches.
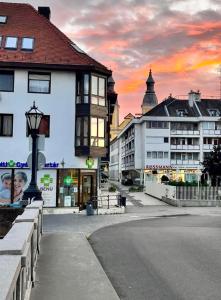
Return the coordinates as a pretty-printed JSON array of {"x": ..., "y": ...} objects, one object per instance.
[{"x": 180, "y": 40}]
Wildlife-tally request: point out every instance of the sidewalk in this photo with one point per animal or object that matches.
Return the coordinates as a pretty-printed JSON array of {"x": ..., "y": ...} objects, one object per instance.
[{"x": 68, "y": 269}]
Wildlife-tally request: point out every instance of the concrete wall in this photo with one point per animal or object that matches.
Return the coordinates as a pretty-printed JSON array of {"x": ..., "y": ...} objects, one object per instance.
[
  {"x": 18, "y": 254},
  {"x": 159, "y": 190}
]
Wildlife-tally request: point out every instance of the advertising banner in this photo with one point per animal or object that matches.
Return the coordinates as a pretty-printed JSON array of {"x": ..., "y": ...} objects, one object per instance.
[
  {"x": 46, "y": 181},
  {"x": 21, "y": 181},
  {"x": 47, "y": 184}
]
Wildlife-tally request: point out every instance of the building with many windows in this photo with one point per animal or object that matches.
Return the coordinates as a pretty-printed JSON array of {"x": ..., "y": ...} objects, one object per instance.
[
  {"x": 39, "y": 63},
  {"x": 172, "y": 139}
]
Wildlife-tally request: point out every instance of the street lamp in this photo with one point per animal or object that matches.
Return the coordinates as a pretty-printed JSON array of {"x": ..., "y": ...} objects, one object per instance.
[{"x": 33, "y": 117}]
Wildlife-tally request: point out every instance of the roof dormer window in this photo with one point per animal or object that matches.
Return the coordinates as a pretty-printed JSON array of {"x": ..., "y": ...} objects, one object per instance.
[
  {"x": 11, "y": 42},
  {"x": 3, "y": 19},
  {"x": 214, "y": 112},
  {"x": 181, "y": 112},
  {"x": 27, "y": 43}
]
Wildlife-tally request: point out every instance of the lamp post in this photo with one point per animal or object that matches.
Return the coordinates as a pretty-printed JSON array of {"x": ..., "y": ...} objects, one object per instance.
[{"x": 33, "y": 117}]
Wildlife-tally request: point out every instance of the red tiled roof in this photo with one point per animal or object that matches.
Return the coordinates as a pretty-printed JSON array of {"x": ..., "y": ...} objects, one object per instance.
[{"x": 51, "y": 46}]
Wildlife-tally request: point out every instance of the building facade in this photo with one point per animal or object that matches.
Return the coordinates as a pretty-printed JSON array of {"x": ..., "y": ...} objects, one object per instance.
[
  {"x": 172, "y": 139},
  {"x": 39, "y": 63}
]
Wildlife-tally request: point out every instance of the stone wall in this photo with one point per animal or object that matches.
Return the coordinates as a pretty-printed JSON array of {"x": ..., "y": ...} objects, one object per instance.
[{"x": 19, "y": 250}]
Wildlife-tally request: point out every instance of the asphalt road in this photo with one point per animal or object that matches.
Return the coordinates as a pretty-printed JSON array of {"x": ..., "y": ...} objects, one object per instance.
[{"x": 175, "y": 258}]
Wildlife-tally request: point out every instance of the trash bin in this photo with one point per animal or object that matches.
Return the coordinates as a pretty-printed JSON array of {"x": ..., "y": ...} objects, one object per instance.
[
  {"x": 89, "y": 208},
  {"x": 123, "y": 201}
]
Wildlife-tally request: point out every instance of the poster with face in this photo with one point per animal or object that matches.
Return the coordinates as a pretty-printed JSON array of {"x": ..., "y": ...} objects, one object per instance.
[
  {"x": 21, "y": 180},
  {"x": 5, "y": 186}
]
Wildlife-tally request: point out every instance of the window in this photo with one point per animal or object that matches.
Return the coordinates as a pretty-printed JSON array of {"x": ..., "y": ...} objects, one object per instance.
[
  {"x": 166, "y": 140},
  {"x": 157, "y": 124},
  {"x": 98, "y": 90},
  {"x": 97, "y": 132},
  {"x": 11, "y": 42},
  {"x": 181, "y": 112},
  {"x": 82, "y": 88},
  {"x": 165, "y": 154},
  {"x": 44, "y": 127},
  {"x": 148, "y": 154},
  {"x": 160, "y": 154},
  {"x": 154, "y": 154},
  {"x": 209, "y": 125},
  {"x": 3, "y": 19},
  {"x": 6, "y": 81},
  {"x": 6, "y": 125},
  {"x": 213, "y": 112},
  {"x": 82, "y": 131},
  {"x": 39, "y": 83},
  {"x": 27, "y": 43},
  {"x": 0, "y": 41}
]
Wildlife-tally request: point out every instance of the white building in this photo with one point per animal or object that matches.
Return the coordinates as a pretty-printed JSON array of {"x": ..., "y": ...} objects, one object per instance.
[
  {"x": 172, "y": 139},
  {"x": 39, "y": 63}
]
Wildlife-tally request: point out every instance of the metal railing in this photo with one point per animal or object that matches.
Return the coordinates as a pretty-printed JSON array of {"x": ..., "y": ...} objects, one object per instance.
[{"x": 108, "y": 201}]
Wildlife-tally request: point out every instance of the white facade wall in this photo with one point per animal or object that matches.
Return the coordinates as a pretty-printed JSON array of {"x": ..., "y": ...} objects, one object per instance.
[
  {"x": 151, "y": 139},
  {"x": 59, "y": 104},
  {"x": 114, "y": 160}
]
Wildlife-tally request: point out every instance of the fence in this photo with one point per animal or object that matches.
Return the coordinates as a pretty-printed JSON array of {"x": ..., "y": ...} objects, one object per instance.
[
  {"x": 18, "y": 254},
  {"x": 185, "y": 195},
  {"x": 108, "y": 202}
]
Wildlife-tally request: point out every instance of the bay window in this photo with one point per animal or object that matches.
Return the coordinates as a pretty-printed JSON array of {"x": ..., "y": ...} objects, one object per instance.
[
  {"x": 97, "y": 132},
  {"x": 98, "y": 90},
  {"x": 82, "y": 131}
]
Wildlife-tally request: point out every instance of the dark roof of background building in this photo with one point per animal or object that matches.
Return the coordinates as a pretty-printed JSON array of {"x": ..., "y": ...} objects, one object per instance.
[
  {"x": 51, "y": 46},
  {"x": 173, "y": 106}
]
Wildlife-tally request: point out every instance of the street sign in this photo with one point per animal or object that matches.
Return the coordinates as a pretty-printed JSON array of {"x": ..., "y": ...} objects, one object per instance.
[{"x": 41, "y": 161}]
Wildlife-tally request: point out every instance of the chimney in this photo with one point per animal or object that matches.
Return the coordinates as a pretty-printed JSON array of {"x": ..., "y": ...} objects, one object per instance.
[
  {"x": 45, "y": 11},
  {"x": 193, "y": 96}
]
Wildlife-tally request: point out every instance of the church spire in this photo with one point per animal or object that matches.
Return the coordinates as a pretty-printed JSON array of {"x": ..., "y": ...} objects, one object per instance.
[{"x": 150, "y": 98}]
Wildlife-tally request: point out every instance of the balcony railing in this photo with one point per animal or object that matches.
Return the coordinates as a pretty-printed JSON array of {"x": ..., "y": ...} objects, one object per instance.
[
  {"x": 184, "y": 132},
  {"x": 211, "y": 132},
  {"x": 184, "y": 162},
  {"x": 208, "y": 146},
  {"x": 184, "y": 147}
]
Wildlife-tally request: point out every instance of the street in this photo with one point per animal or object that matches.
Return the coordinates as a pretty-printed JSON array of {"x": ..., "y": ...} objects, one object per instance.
[{"x": 168, "y": 258}]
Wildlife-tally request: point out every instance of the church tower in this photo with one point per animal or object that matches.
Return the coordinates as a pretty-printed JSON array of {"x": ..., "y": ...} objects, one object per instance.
[{"x": 150, "y": 98}]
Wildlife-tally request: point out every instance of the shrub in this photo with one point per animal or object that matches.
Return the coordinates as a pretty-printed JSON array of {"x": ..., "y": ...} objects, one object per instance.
[{"x": 112, "y": 189}]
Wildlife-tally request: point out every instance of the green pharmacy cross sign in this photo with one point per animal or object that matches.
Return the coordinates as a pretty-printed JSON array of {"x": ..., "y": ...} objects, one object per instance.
[
  {"x": 89, "y": 162},
  {"x": 46, "y": 180},
  {"x": 68, "y": 180}
]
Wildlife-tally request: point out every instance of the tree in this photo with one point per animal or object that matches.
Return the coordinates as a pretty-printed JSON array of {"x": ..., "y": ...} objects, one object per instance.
[{"x": 212, "y": 165}]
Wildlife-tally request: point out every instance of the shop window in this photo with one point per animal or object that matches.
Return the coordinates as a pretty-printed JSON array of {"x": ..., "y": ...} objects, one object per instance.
[
  {"x": 98, "y": 90},
  {"x": 39, "y": 83},
  {"x": 97, "y": 132},
  {"x": 6, "y": 81},
  {"x": 44, "y": 127},
  {"x": 82, "y": 131},
  {"x": 6, "y": 125}
]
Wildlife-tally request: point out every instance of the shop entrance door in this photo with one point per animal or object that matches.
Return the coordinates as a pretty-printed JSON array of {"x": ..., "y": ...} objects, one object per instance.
[{"x": 87, "y": 184}]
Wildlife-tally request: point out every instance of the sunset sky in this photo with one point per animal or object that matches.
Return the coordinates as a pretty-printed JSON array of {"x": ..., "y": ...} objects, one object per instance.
[{"x": 179, "y": 39}]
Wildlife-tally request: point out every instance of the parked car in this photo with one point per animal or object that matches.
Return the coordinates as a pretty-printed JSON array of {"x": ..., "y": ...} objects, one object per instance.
[{"x": 127, "y": 181}]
